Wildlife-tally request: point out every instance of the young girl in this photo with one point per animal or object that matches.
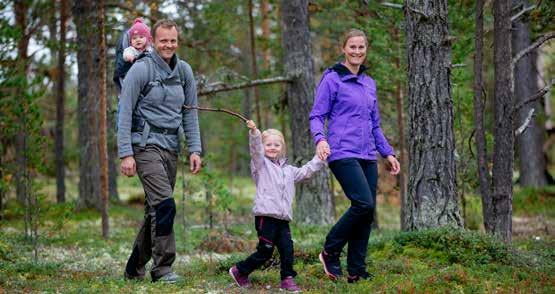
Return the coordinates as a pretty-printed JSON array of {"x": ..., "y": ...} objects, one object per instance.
[
  {"x": 138, "y": 40},
  {"x": 275, "y": 188}
]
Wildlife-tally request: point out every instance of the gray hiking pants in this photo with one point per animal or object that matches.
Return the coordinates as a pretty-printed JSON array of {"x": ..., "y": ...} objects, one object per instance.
[{"x": 157, "y": 169}]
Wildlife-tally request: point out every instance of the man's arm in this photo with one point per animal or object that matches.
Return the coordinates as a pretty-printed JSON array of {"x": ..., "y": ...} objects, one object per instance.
[{"x": 190, "y": 119}]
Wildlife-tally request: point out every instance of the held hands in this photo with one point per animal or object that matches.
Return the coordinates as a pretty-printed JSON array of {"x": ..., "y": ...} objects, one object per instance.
[
  {"x": 392, "y": 165},
  {"x": 128, "y": 166},
  {"x": 323, "y": 150}
]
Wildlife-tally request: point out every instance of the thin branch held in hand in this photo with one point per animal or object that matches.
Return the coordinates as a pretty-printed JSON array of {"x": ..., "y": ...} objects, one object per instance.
[{"x": 189, "y": 107}]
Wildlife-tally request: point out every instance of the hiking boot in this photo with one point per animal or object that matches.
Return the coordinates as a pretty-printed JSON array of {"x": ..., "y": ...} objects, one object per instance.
[
  {"x": 331, "y": 263},
  {"x": 288, "y": 284},
  {"x": 130, "y": 277},
  {"x": 241, "y": 280},
  {"x": 168, "y": 278},
  {"x": 356, "y": 278}
]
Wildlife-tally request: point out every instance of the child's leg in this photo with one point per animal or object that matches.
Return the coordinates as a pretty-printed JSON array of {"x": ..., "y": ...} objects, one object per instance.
[
  {"x": 266, "y": 228},
  {"x": 286, "y": 251}
]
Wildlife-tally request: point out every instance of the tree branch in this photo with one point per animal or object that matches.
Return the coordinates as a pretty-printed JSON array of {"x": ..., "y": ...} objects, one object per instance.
[
  {"x": 130, "y": 9},
  {"x": 222, "y": 87},
  {"x": 522, "y": 12},
  {"x": 527, "y": 50},
  {"x": 525, "y": 124},
  {"x": 534, "y": 97},
  {"x": 188, "y": 107}
]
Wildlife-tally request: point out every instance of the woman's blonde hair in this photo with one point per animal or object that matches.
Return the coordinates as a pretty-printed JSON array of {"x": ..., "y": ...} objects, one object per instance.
[
  {"x": 270, "y": 132},
  {"x": 354, "y": 33}
]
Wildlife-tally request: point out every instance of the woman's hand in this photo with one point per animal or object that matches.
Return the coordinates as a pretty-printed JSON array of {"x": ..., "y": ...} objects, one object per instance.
[
  {"x": 323, "y": 150},
  {"x": 395, "y": 167}
]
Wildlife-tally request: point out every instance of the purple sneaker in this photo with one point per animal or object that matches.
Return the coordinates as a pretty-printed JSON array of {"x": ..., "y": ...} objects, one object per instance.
[
  {"x": 331, "y": 263},
  {"x": 288, "y": 284},
  {"x": 241, "y": 280}
]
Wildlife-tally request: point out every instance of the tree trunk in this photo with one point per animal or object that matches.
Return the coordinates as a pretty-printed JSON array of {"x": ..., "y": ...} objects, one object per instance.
[
  {"x": 254, "y": 67},
  {"x": 60, "y": 106},
  {"x": 265, "y": 11},
  {"x": 112, "y": 144},
  {"x": 532, "y": 163},
  {"x": 86, "y": 15},
  {"x": 503, "y": 148},
  {"x": 20, "y": 9},
  {"x": 314, "y": 203},
  {"x": 479, "y": 107},
  {"x": 432, "y": 193}
]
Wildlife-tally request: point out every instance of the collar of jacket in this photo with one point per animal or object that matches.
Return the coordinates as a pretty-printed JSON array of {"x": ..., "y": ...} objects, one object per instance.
[
  {"x": 162, "y": 63},
  {"x": 345, "y": 74},
  {"x": 280, "y": 161}
]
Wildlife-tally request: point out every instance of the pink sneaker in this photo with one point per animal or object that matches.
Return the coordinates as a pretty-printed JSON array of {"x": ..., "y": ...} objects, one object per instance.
[
  {"x": 288, "y": 284},
  {"x": 241, "y": 280}
]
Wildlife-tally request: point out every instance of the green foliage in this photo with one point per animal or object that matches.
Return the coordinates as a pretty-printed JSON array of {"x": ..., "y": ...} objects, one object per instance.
[{"x": 534, "y": 201}]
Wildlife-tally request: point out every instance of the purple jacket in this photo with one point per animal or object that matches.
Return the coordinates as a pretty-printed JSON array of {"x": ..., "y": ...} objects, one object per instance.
[
  {"x": 275, "y": 181},
  {"x": 350, "y": 105}
]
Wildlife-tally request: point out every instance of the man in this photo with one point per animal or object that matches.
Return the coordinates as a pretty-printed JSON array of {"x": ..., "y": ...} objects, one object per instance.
[{"x": 151, "y": 121}]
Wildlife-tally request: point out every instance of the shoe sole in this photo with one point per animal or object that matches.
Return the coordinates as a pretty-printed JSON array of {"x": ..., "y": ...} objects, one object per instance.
[{"x": 330, "y": 275}]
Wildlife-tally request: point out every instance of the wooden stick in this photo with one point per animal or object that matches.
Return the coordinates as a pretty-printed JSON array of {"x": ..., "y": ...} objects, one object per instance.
[{"x": 188, "y": 107}]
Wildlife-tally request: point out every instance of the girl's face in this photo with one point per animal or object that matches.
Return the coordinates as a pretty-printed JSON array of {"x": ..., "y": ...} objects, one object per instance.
[
  {"x": 355, "y": 51},
  {"x": 138, "y": 42},
  {"x": 273, "y": 146}
]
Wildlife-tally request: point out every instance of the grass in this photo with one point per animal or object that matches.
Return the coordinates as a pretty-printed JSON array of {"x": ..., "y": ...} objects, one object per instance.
[{"x": 74, "y": 258}]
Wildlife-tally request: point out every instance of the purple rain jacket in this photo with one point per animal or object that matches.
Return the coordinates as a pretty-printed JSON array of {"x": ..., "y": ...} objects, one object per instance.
[{"x": 350, "y": 105}]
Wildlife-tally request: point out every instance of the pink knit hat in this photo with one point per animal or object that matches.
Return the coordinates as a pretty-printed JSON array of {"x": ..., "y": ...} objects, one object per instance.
[{"x": 139, "y": 28}]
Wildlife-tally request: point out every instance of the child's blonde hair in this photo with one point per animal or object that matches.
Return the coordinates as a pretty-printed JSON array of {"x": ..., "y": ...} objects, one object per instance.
[{"x": 275, "y": 132}]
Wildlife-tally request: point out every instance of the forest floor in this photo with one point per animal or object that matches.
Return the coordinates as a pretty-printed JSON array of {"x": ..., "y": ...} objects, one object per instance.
[{"x": 73, "y": 256}]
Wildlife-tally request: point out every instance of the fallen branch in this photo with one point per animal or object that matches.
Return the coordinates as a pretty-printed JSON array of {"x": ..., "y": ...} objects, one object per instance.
[
  {"x": 221, "y": 87},
  {"x": 188, "y": 107},
  {"x": 525, "y": 124}
]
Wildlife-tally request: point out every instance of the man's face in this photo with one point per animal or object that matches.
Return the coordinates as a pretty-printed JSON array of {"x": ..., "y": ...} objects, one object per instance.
[{"x": 165, "y": 42}]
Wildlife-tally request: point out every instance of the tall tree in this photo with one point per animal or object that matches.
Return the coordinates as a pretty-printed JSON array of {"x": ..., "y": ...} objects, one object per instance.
[
  {"x": 479, "y": 107},
  {"x": 530, "y": 143},
  {"x": 314, "y": 202},
  {"x": 432, "y": 195},
  {"x": 87, "y": 16},
  {"x": 503, "y": 149},
  {"x": 60, "y": 105},
  {"x": 254, "y": 66}
]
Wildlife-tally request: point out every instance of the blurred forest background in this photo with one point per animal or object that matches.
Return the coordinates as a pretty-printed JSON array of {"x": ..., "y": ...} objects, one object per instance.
[{"x": 61, "y": 192}]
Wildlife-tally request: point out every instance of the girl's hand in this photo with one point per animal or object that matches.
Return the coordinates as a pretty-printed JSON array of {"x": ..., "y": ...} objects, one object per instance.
[
  {"x": 251, "y": 125},
  {"x": 323, "y": 150},
  {"x": 395, "y": 167}
]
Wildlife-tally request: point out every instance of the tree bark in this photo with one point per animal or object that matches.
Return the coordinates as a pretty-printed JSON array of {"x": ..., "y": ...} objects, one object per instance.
[
  {"x": 87, "y": 15},
  {"x": 479, "y": 107},
  {"x": 254, "y": 67},
  {"x": 60, "y": 106},
  {"x": 503, "y": 149},
  {"x": 532, "y": 163},
  {"x": 314, "y": 199},
  {"x": 432, "y": 193}
]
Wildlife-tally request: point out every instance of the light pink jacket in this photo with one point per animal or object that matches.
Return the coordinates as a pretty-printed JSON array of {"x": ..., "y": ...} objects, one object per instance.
[{"x": 275, "y": 181}]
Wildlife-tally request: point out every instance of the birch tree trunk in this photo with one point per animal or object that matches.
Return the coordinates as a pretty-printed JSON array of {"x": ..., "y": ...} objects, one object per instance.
[
  {"x": 503, "y": 149},
  {"x": 314, "y": 200},
  {"x": 432, "y": 193}
]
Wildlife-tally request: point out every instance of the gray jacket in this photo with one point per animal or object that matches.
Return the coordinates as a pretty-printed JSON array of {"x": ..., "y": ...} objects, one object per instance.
[
  {"x": 161, "y": 107},
  {"x": 275, "y": 181}
]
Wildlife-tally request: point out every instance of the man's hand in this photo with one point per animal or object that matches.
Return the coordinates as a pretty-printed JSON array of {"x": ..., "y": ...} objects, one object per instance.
[
  {"x": 323, "y": 150},
  {"x": 195, "y": 163},
  {"x": 128, "y": 166},
  {"x": 393, "y": 165}
]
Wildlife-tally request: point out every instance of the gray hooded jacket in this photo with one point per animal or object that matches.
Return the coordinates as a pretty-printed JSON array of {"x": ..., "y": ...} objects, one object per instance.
[{"x": 161, "y": 107}]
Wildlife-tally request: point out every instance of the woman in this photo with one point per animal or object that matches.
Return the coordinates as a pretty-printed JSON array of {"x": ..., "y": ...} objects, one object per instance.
[{"x": 346, "y": 98}]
